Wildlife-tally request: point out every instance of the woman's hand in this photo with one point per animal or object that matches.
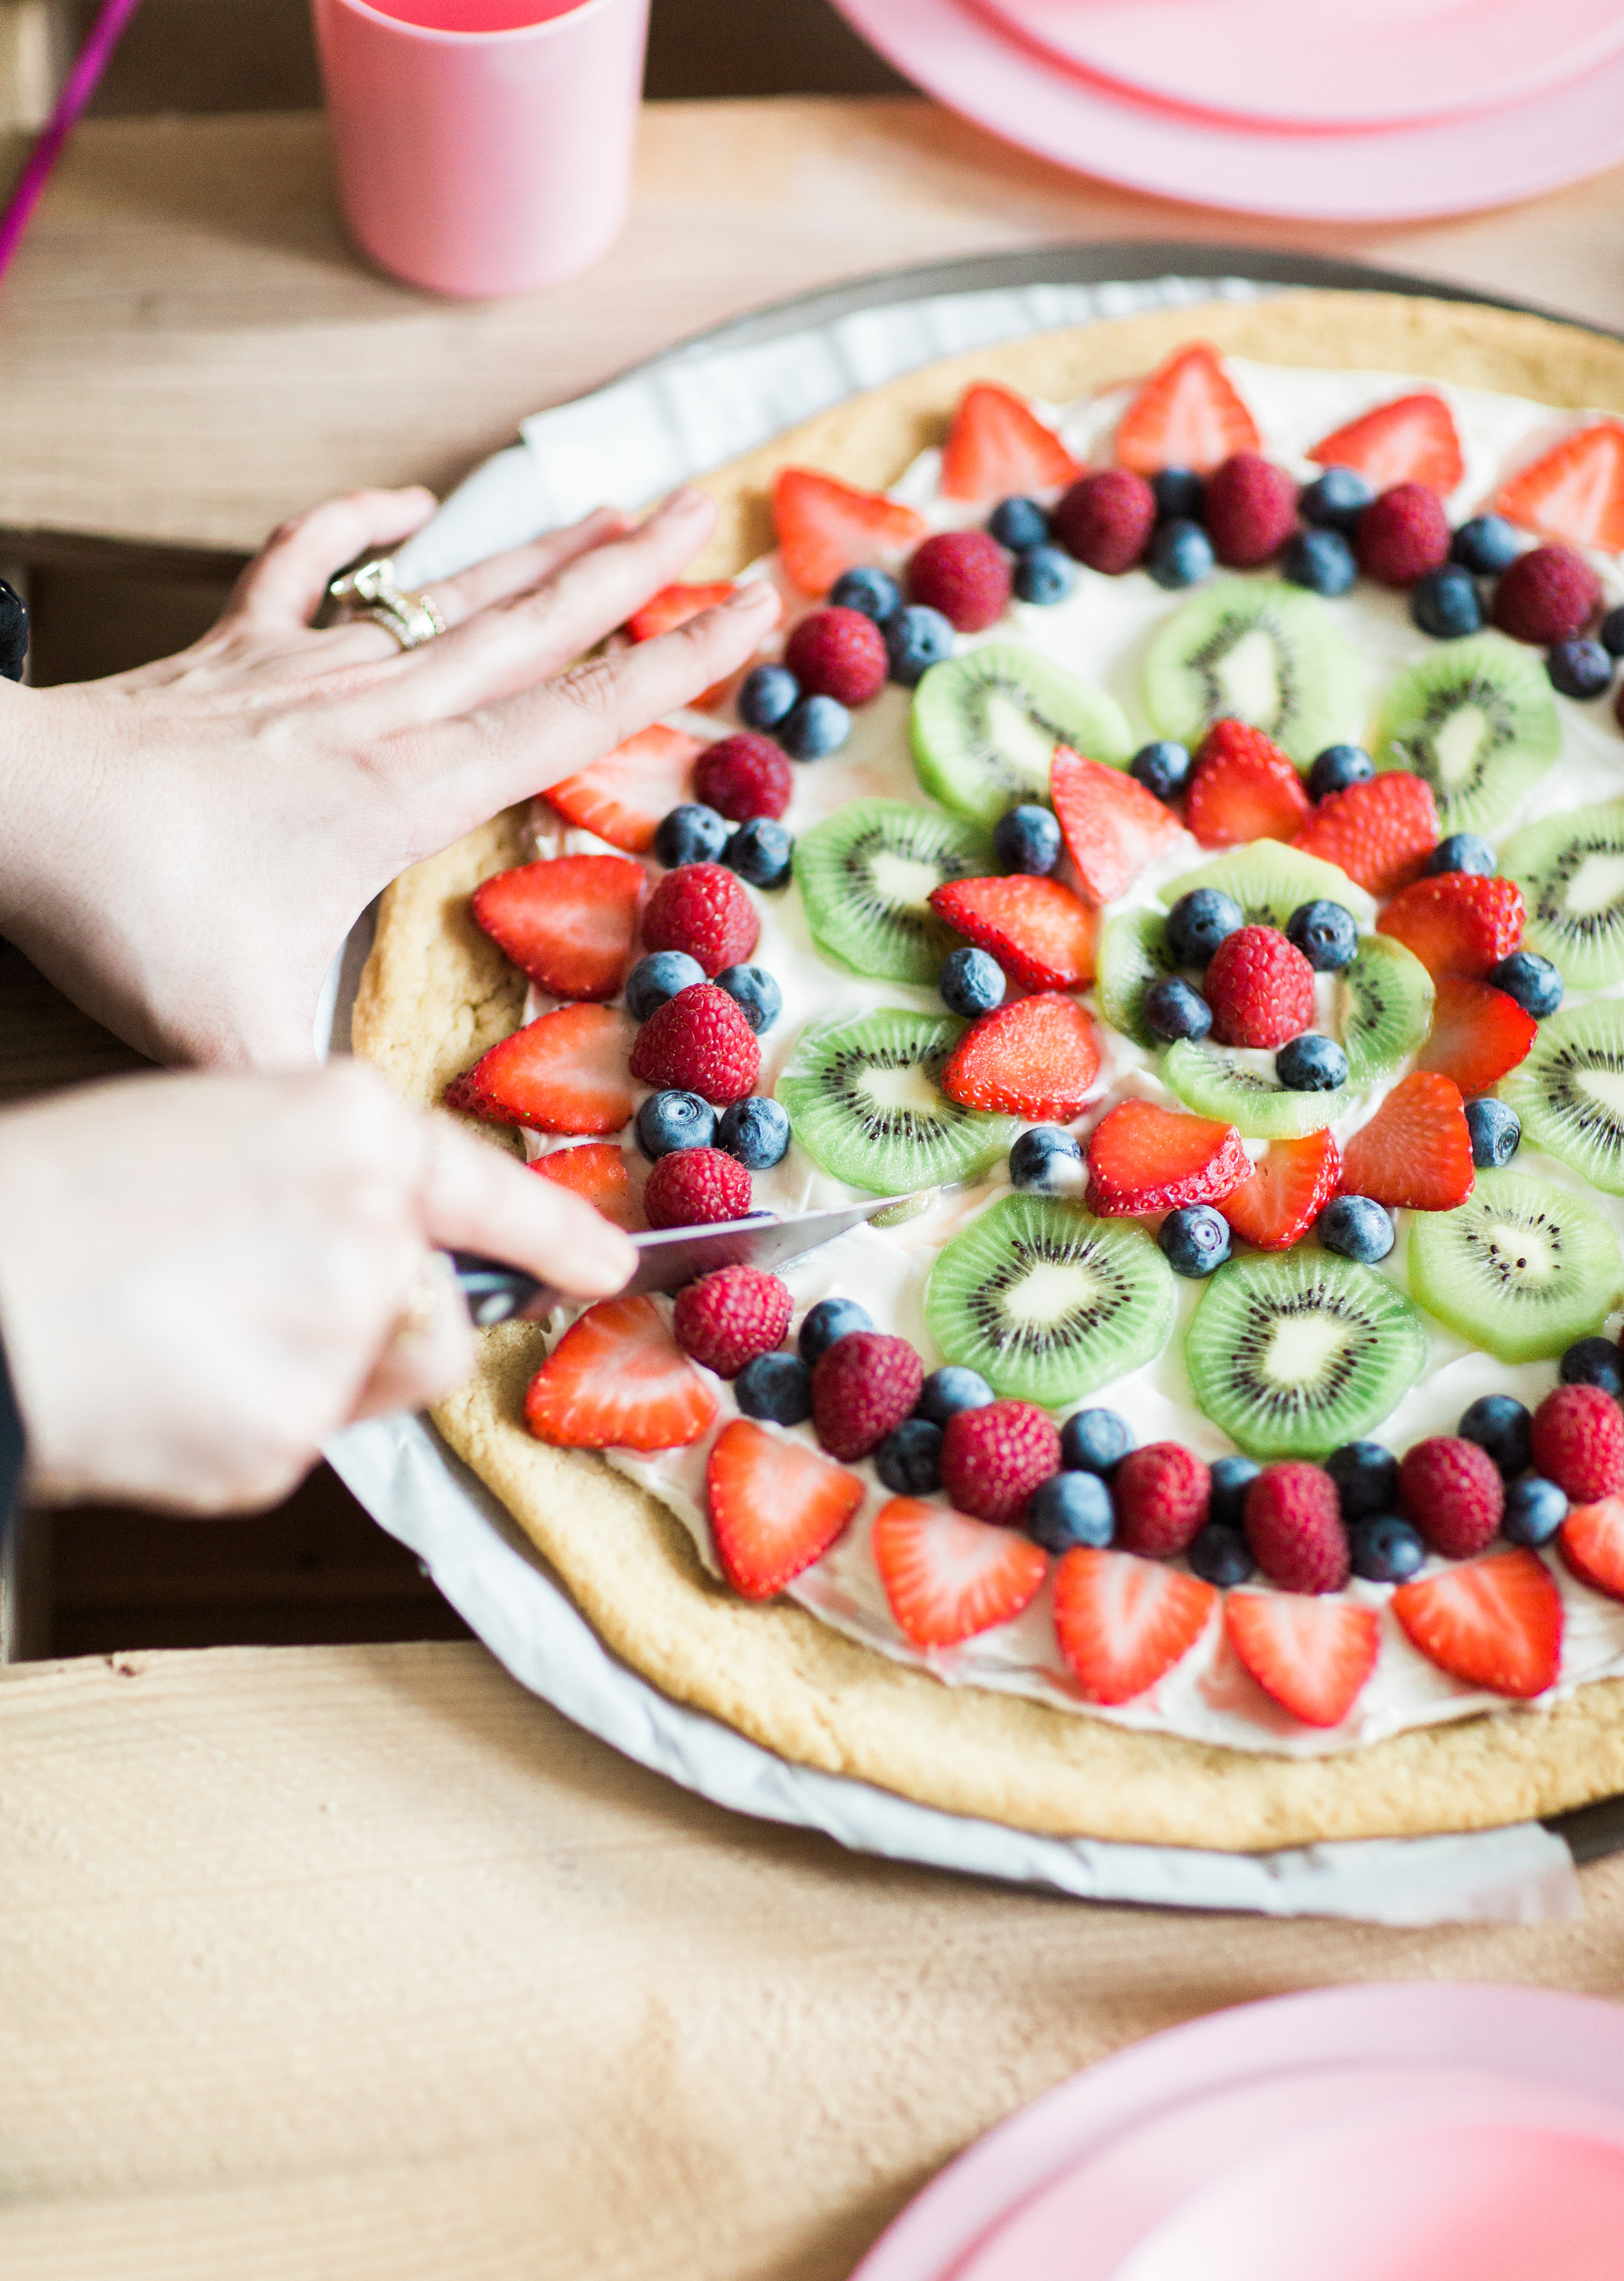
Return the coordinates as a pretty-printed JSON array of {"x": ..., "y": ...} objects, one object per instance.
[{"x": 186, "y": 846}]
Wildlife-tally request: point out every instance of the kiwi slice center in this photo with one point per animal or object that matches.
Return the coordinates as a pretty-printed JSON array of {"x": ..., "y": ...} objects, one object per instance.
[
  {"x": 1514, "y": 1253},
  {"x": 903, "y": 882},
  {"x": 1302, "y": 1349},
  {"x": 1303, "y": 1341},
  {"x": 1596, "y": 886},
  {"x": 900, "y": 1093},
  {"x": 1605, "y": 1086},
  {"x": 1050, "y": 1290},
  {"x": 1248, "y": 678},
  {"x": 1460, "y": 743},
  {"x": 1010, "y": 726}
]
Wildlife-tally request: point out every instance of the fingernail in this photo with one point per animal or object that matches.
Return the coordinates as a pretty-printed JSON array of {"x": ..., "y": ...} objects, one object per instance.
[
  {"x": 750, "y": 597},
  {"x": 681, "y": 504}
]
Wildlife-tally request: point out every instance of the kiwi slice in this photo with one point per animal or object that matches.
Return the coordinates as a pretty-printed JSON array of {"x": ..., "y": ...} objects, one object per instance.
[
  {"x": 1569, "y": 1093},
  {"x": 1521, "y": 1268},
  {"x": 1270, "y": 880},
  {"x": 1241, "y": 1089},
  {"x": 862, "y": 1098},
  {"x": 1571, "y": 870},
  {"x": 1386, "y": 1007},
  {"x": 1254, "y": 650},
  {"x": 1296, "y": 1354},
  {"x": 1476, "y": 718},
  {"x": 1134, "y": 953},
  {"x": 985, "y": 726},
  {"x": 864, "y": 874},
  {"x": 1048, "y": 1302}
]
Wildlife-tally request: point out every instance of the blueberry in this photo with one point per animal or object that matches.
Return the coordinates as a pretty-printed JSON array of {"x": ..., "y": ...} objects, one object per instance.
[
  {"x": 829, "y": 1320},
  {"x": 1610, "y": 633},
  {"x": 1385, "y": 1549},
  {"x": 668, "y": 1121},
  {"x": 1171, "y": 1008},
  {"x": 1335, "y": 500},
  {"x": 1179, "y": 553},
  {"x": 1579, "y": 668},
  {"x": 908, "y": 1460},
  {"x": 1068, "y": 1510},
  {"x": 1311, "y": 1064},
  {"x": 1462, "y": 851},
  {"x": 1195, "y": 1239},
  {"x": 818, "y": 727},
  {"x": 971, "y": 982},
  {"x": 691, "y": 834},
  {"x": 1496, "y": 1131},
  {"x": 1486, "y": 545},
  {"x": 1446, "y": 603},
  {"x": 1163, "y": 768},
  {"x": 916, "y": 639},
  {"x": 1534, "y": 1510},
  {"x": 1501, "y": 1425},
  {"x": 1094, "y": 1442},
  {"x": 950, "y": 1389},
  {"x": 1594, "y": 1362},
  {"x": 759, "y": 852},
  {"x": 1019, "y": 523},
  {"x": 755, "y": 993},
  {"x": 1338, "y": 767},
  {"x": 1357, "y": 1227},
  {"x": 1231, "y": 1478},
  {"x": 1027, "y": 838},
  {"x": 1044, "y": 576},
  {"x": 1221, "y": 1556},
  {"x": 766, "y": 694},
  {"x": 1322, "y": 560},
  {"x": 1326, "y": 934},
  {"x": 1047, "y": 1161},
  {"x": 874, "y": 593},
  {"x": 13, "y": 633},
  {"x": 1199, "y": 922},
  {"x": 778, "y": 1387},
  {"x": 657, "y": 977},
  {"x": 1365, "y": 1475},
  {"x": 756, "y": 1131},
  {"x": 1533, "y": 981},
  {"x": 1180, "y": 495}
]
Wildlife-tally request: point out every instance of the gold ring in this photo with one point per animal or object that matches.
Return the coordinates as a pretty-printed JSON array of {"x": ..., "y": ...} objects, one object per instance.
[{"x": 369, "y": 591}]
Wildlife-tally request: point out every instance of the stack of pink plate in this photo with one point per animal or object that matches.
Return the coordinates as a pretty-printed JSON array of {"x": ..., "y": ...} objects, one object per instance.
[{"x": 1381, "y": 112}]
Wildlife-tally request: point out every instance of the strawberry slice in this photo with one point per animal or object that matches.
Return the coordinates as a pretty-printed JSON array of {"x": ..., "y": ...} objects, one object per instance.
[
  {"x": 1412, "y": 440},
  {"x": 825, "y": 527},
  {"x": 1575, "y": 492},
  {"x": 1312, "y": 1655},
  {"x": 1035, "y": 1059},
  {"x": 617, "y": 1380},
  {"x": 1380, "y": 832},
  {"x": 1592, "y": 1542},
  {"x": 1459, "y": 923},
  {"x": 468, "y": 1100},
  {"x": 1036, "y": 929},
  {"x": 949, "y": 1577},
  {"x": 1122, "y": 1621},
  {"x": 596, "y": 1170},
  {"x": 776, "y": 1506},
  {"x": 1244, "y": 788},
  {"x": 1494, "y": 1623},
  {"x": 1144, "y": 1158},
  {"x": 565, "y": 1073},
  {"x": 623, "y": 796},
  {"x": 1113, "y": 826},
  {"x": 1187, "y": 414},
  {"x": 997, "y": 446},
  {"x": 1478, "y": 1033},
  {"x": 1416, "y": 1152},
  {"x": 674, "y": 605},
  {"x": 567, "y": 923},
  {"x": 1290, "y": 1187}
]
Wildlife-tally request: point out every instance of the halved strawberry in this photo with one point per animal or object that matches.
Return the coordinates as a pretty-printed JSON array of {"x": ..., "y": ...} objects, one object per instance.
[
  {"x": 1289, "y": 1189},
  {"x": 617, "y": 1380},
  {"x": 1036, "y": 1058},
  {"x": 1122, "y": 1621},
  {"x": 565, "y": 1073},
  {"x": 1113, "y": 826},
  {"x": 1416, "y": 1152},
  {"x": 674, "y": 605},
  {"x": 467, "y": 1099},
  {"x": 1313, "y": 1655},
  {"x": 1412, "y": 440},
  {"x": 567, "y": 923},
  {"x": 1244, "y": 788},
  {"x": 949, "y": 1577},
  {"x": 774, "y": 1505},
  {"x": 825, "y": 527},
  {"x": 1592, "y": 1542},
  {"x": 1380, "y": 832},
  {"x": 1144, "y": 1158},
  {"x": 1036, "y": 929},
  {"x": 623, "y": 796},
  {"x": 1478, "y": 1033},
  {"x": 1495, "y": 1623},
  {"x": 997, "y": 446},
  {"x": 596, "y": 1170},
  {"x": 1187, "y": 414},
  {"x": 1575, "y": 492},
  {"x": 1458, "y": 923}
]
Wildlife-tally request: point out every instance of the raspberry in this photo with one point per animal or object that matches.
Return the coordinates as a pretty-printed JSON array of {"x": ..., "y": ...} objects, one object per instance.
[
  {"x": 862, "y": 1386},
  {"x": 994, "y": 1457},
  {"x": 1293, "y": 1524},
  {"x": 964, "y": 574},
  {"x": 1260, "y": 988},
  {"x": 701, "y": 908},
  {"x": 1401, "y": 535},
  {"x": 1548, "y": 595},
  {"x": 743, "y": 777},
  {"x": 838, "y": 653},
  {"x": 699, "y": 1042},
  {"x": 1106, "y": 519},
  {"x": 692, "y": 1187},
  {"x": 1578, "y": 1443},
  {"x": 1250, "y": 510},
  {"x": 1161, "y": 1493},
  {"x": 1451, "y": 1489},
  {"x": 726, "y": 1319}
]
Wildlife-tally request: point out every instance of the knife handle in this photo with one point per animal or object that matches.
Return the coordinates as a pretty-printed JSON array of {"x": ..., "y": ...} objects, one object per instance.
[{"x": 494, "y": 1294}]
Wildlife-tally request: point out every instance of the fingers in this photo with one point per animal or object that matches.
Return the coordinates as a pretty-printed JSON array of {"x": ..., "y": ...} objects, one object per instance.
[
  {"x": 283, "y": 586},
  {"x": 476, "y": 1198},
  {"x": 522, "y": 569},
  {"x": 430, "y": 1351}
]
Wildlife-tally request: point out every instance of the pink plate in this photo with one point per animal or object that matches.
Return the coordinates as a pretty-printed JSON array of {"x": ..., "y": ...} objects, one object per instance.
[{"x": 1401, "y": 173}]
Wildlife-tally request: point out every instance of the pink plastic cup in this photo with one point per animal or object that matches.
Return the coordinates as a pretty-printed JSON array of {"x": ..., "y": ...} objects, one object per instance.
[{"x": 482, "y": 146}]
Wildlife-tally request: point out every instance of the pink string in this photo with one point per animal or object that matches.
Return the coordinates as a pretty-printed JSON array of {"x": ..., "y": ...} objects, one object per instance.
[{"x": 80, "y": 86}]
